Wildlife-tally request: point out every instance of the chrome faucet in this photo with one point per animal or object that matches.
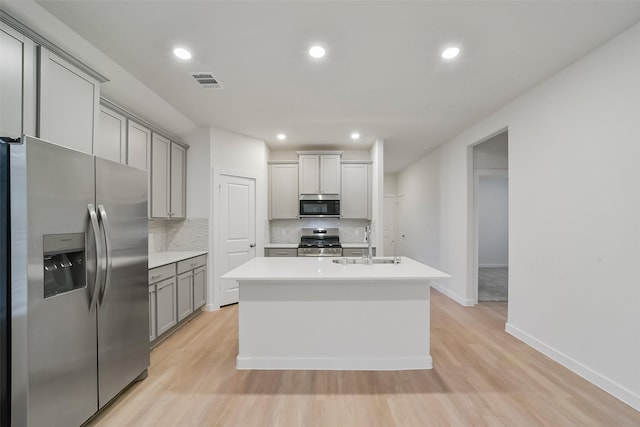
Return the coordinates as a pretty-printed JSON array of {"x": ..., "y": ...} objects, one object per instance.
[
  {"x": 394, "y": 245},
  {"x": 367, "y": 238}
]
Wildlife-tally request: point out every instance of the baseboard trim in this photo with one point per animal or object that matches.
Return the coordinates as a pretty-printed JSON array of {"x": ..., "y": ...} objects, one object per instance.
[
  {"x": 335, "y": 363},
  {"x": 210, "y": 307},
  {"x": 624, "y": 394},
  {"x": 493, "y": 265},
  {"x": 457, "y": 298}
]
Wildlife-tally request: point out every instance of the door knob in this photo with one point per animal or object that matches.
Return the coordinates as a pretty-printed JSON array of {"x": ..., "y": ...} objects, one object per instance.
[{"x": 252, "y": 245}]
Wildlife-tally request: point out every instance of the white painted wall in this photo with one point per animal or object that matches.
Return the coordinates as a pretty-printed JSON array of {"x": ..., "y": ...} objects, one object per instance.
[
  {"x": 377, "y": 192},
  {"x": 418, "y": 212},
  {"x": 493, "y": 221},
  {"x": 347, "y": 154},
  {"x": 574, "y": 207},
  {"x": 390, "y": 184},
  {"x": 198, "y": 167},
  {"x": 236, "y": 154}
]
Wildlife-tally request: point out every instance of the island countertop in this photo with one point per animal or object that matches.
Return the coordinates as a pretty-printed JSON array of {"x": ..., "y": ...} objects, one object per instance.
[{"x": 323, "y": 268}]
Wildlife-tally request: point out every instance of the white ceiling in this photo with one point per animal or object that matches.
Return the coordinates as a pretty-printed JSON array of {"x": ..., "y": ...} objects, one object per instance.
[{"x": 382, "y": 74}]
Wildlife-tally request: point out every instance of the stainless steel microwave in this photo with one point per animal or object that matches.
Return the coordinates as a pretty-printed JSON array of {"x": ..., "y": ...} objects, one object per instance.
[{"x": 319, "y": 206}]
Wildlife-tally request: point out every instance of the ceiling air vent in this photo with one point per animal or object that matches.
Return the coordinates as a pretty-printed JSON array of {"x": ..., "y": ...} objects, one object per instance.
[{"x": 206, "y": 80}]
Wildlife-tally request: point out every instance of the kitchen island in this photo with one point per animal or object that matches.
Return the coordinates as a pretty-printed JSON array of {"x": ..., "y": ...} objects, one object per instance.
[{"x": 314, "y": 313}]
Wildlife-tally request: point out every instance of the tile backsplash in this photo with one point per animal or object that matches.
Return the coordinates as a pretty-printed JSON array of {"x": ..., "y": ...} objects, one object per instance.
[
  {"x": 192, "y": 234},
  {"x": 289, "y": 230}
]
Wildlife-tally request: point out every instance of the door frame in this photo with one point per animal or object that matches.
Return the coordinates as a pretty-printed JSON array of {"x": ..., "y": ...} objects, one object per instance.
[{"x": 214, "y": 289}]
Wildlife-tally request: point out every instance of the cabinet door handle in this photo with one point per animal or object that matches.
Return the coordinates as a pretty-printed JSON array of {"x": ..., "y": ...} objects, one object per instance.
[
  {"x": 283, "y": 253},
  {"x": 252, "y": 245},
  {"x": 156, "y": 277},
  {"x": 193, "y": 264}
]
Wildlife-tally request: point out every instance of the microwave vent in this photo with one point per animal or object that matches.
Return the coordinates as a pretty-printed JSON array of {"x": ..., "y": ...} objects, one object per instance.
[{"x": 206, "y": 80}]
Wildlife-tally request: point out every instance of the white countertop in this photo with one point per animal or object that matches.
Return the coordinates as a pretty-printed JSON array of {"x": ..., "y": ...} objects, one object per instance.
[
  {"x": 157, "y": 259},
  {"x": 311, "y": 268}
]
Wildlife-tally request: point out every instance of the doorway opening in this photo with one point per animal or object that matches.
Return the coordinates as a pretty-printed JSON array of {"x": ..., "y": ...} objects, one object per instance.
[{"x": 491, "y": 219}]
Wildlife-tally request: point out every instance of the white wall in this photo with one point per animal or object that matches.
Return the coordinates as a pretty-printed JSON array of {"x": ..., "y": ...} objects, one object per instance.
[
  {"x": 346, "y": 154},
  {"x": 418, "y": 212},
  {"x": 574, "y": 206},
  {"x": 236, "y": 154},
  {"x": 377, "y": 192},
  {"x": 390, "y": 184},
  {"x": 198, "y": 167},
  {"x": 493, "y": 221}
]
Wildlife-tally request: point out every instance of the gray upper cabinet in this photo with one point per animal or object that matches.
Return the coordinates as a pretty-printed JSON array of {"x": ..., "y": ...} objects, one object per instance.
[
  {"x": 138, "y": 146},
  {"x": 283, "y": 191},
  {"x": 17, "y": 84},
  {"x": 111, "y": 143},
  {"x": 309, "y": 179},
  {"x": 160, "y": 161},
  {"x": 69, "y": 103},
  {"x": 319, "y": 173},
  {"x": 177, "y": 196},
  {"x": 330, "y": 174},
  {"x": 168, "y": 178}
]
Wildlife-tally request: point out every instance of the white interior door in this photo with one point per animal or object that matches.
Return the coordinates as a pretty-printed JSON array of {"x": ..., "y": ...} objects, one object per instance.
[
  {"x": 389, "y": 216},
  {"x": 237, "y": 229}
]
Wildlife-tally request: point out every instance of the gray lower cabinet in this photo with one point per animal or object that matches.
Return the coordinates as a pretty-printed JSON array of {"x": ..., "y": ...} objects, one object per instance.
[
  {"x": 185, "y": 295},
  {"x": 275, "y": 252},
  {"x": 199, "y": 283},
  {"x": 354, "y": 252},
  {"x": 176, "y": 290},
  {"x": 166, "y": 305}
]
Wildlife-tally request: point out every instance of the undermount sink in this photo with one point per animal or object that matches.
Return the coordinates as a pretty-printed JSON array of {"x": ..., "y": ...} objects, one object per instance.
[{"x": 346, "y": 261}]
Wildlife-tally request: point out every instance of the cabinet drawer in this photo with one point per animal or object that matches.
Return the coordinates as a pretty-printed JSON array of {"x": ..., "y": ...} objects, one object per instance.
[
  {"x": 357, "y": 252},
  {"x": 161, "y": 273},
  {"x": 191, "y": 263},
  {"x": 274, "y": 252}
]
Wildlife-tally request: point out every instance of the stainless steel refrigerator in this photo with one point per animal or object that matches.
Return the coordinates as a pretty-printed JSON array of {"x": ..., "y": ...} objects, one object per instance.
[{"x": 74, "y": 299}]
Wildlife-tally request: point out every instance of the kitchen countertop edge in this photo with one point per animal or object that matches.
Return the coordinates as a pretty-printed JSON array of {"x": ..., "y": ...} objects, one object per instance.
[{"x": 158, "y": 259}]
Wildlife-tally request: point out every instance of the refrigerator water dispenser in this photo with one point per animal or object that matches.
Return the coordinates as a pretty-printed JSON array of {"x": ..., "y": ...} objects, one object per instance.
[{"x": 64, "y": 260}]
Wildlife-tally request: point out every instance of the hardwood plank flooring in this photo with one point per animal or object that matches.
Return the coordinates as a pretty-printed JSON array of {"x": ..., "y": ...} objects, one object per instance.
[{"x": 481, "y": 377}]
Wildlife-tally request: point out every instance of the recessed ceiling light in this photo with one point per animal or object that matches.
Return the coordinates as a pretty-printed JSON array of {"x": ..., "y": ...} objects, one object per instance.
[
  {"x": 182, "y": 53},
  {"x": 281, "y": 136},
  {"x": 450, "y": 52},
  {"x": 355, "y": 136},
  {"x": 317, "y": 51}
]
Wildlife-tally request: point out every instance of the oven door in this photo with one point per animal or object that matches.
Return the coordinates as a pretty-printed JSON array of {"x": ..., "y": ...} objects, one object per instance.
[
  {"x": 320, "y": 252},
  {"x": 315, "y": 208}
]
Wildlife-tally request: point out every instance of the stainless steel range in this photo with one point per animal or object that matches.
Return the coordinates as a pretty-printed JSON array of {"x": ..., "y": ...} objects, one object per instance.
[{"x": 320, "y": 242}]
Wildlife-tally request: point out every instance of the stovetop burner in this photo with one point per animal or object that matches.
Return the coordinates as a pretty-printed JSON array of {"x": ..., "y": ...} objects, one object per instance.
[{"x": 320, "y": 243}]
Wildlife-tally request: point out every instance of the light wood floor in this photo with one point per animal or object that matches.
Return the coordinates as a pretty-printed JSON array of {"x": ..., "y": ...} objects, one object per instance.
[{"x": 481, "y": 376}]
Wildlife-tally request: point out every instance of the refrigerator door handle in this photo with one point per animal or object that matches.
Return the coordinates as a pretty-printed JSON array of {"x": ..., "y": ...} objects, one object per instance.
[
  {"x": 107, "y": 243},
  {"x": 98, "y": 276}
]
